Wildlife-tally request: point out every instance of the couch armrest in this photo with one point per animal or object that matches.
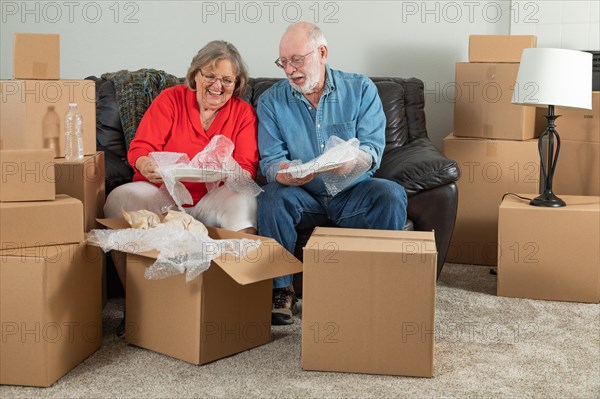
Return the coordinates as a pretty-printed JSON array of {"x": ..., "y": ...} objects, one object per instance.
[{"x": 418, "y": 165}]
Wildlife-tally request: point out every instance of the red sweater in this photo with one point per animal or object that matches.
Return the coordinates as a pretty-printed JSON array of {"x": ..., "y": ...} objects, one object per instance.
[{"x": 172, "y": 123}]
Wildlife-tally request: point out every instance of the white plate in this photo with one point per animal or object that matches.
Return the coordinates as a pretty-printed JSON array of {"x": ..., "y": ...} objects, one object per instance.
[
  {"x": 305, "y": 169},
  {"x": 193, "y": 175}
]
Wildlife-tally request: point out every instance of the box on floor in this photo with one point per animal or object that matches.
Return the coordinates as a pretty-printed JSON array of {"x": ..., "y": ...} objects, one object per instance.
[
  {"x": 483, "y": 106},
  {"x": 33, "y": 113},
  {"x": 369, "y": 302},
  {"x": 27, "y": 175},
  {"x": 83, "y": 180},
  {"x": 50, "y": 311},
  {"x": 489, "y": 169},
  {"x": 226, "y": 310},
  {"x": 550, "y": 253}
]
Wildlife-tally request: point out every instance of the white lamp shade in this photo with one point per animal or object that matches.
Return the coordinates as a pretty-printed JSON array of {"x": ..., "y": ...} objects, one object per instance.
[{"x": 549, "y": 76}]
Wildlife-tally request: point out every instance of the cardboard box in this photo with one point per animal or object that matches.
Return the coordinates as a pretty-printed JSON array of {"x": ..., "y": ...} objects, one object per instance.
[
  {"x": 50, "y": 310},
  {"x": 550, "y": 253},
  {"x": 574, "y": 124},
  {"x": 369, "y": 302},
  {"x": 36, "y": 56},
  {"x": 489, "y": 169},
  {"x": 499, "y": 48},
  {"x": 39, "y": 223},
  {"x": 27, "y": 175},
  {"x": 33, "y": 113},
  {"x": 483, "y": 106},
  {"x": 578, "y": 169},
  {"x": 226, "y": 310},
  {"x": 85, "y": 181}
]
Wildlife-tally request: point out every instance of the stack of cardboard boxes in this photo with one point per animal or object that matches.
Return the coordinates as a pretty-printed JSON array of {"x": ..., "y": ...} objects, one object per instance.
[
  {"x": 493, "y": 143},
  {"x": 50, "y": 294}
]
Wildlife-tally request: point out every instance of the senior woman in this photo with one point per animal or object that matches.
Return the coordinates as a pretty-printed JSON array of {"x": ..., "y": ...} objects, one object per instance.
[{"x": 184, "y": 119}]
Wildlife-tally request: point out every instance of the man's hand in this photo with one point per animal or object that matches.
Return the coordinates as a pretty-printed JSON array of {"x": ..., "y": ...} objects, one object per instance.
[
  {"x": 148, "y": 169},
  {"x": 288, "y": 180}
]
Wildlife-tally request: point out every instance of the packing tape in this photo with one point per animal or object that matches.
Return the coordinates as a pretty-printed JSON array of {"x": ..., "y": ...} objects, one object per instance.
[
  {"x": 488, "y": 130},
  {"x": 491, "y": 148},
  {"x": 491, "y": 72},
  {"x": 40, "y": 69},
  {"x": 324, "y": 235}
]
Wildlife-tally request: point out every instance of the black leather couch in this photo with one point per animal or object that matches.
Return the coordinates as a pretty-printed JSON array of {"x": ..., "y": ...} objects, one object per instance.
[{"x": 410, "y": 158}]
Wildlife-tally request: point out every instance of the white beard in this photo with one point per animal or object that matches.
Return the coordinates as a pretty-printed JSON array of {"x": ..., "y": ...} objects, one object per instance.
[{"x": 311, "y": 76}]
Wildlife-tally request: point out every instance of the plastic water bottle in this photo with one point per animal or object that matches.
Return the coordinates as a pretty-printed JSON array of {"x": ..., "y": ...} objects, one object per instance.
[
  {"x": 51, "y": 130},
  {"x": 73, "y": 134}
]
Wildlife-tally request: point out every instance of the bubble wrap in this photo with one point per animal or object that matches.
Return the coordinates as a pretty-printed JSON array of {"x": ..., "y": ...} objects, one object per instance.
[
  {"x": 216, "y": 156},
  {"x": 180, "y": 251},
  {"x": 342, "y": 163},
  {"x": 359, "y": 162}
]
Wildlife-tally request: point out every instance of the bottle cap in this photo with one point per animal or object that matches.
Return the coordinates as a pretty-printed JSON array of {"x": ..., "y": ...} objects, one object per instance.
[{"x": 72, "y": 104}]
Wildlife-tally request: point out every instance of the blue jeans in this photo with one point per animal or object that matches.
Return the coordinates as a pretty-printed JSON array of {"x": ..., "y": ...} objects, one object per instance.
[{"x": 370, "y": 204}]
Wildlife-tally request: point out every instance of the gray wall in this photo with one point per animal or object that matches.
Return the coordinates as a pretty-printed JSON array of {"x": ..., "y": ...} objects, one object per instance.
[{"x": 378, "y": 38}]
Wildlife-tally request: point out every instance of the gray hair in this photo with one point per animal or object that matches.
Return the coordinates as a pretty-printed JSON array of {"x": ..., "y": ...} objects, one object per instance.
[
  {"x": 316, "y": 36},
  {"x": 314, "y": 33},
  {"x": 214, "y": 52}
]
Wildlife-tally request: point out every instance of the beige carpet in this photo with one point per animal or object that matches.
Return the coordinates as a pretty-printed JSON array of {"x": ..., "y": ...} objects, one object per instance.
[{"x": 486, "y": 346}]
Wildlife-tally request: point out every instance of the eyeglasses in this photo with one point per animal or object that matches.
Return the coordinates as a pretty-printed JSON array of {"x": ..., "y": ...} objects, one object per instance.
[
  {"x": 226, "y": 81},
  {"x": 297, "y": 60}
]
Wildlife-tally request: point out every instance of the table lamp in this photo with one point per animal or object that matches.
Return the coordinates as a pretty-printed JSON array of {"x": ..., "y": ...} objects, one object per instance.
[{"x": 553, "y": 77}]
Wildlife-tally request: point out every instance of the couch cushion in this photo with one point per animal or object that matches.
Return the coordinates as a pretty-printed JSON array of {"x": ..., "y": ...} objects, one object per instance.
[
  {"x": 414, "y": 104},
  {"x": 259, "y": 86},
  {"x": 109, "y": 136},
  {"x": 418, "y": 165},
  {"x": 109, "y": 132},
  {"x": 117, "y": 171},
  {"x": 396, "y": 129}
]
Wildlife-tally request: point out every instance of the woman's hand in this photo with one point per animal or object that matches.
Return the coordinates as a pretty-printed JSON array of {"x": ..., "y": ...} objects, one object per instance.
[
  {"x": 149, "y": 169},
  {"x": 288, "y": 180}
]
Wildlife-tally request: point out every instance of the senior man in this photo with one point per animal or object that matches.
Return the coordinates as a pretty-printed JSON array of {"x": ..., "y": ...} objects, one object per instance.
[{"x": 297, "y": 116}]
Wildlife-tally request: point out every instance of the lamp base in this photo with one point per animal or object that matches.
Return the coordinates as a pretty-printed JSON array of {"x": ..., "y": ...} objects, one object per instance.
[{"x": 548, "y": 199}]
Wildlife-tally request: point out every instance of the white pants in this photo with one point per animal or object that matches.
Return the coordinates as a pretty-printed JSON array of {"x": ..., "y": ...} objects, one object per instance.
[{"x": 221, "y": 207}]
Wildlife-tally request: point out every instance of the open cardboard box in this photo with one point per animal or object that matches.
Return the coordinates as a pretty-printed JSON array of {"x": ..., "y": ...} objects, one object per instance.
[{"x": 226, "y": 310}]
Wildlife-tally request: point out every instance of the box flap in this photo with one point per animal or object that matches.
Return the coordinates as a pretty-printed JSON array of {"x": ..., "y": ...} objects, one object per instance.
[
  {"x": 114, "y": 223},
  {"x": 270, "y": 260},
  {"x": 371, "y": 233},
  {"x": 334, "y": 239}
]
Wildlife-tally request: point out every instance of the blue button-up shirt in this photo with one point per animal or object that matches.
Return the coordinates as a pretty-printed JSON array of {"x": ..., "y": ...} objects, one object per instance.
[{"x": 290, "y": 128}]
